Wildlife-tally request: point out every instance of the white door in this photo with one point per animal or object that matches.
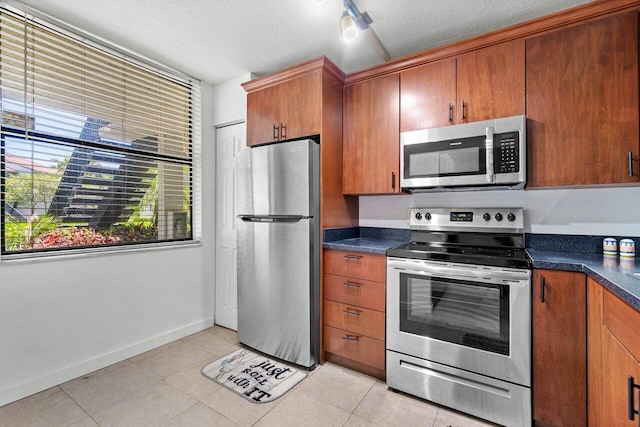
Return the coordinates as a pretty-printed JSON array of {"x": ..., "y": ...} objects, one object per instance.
[{"x": 229, "y": 141}]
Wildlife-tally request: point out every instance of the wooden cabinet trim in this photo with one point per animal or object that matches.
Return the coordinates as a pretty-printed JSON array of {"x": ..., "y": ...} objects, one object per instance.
[
  {"x": 526, "y": 29},
  {"x": 315, "y": 64}
]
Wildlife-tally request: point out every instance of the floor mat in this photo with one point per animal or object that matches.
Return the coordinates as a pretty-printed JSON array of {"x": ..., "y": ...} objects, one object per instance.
[{"x": 253, "y": 376}]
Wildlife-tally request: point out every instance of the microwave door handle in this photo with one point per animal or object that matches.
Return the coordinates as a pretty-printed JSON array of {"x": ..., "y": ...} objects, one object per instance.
[{"x": 489, "y": 154}]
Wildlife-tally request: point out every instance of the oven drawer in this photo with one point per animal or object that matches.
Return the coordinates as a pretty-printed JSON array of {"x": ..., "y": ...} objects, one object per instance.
[
  {"x": 359, "y": 348},
  {"x": 363, "y": 293},
  {"x": 356, "y": 265},
  {"x": 494, "y": 400},
  {"x": 356, "y": 319}
]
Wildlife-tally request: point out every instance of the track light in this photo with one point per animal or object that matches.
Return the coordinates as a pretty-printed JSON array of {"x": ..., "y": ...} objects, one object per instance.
[
  {"x": 353, "y": 22},
  {"x": 349, "y": 29}
]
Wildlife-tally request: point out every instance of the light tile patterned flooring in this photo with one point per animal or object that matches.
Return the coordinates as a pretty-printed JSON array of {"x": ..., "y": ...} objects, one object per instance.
[{"x": 164, "y": 387}]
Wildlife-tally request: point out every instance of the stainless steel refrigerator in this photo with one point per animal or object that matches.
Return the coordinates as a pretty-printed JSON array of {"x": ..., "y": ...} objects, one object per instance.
[{"x": 278, "y": 250}]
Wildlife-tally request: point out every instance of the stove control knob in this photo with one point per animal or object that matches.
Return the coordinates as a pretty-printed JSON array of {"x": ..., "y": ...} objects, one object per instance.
[
  {"x": 498, "y": 216},
  {"x": 486, "y": 216},
  {"x": 511, "y": 217},
  {"x": 427, "y": 216},
  {"x": 418, "y": 216}
]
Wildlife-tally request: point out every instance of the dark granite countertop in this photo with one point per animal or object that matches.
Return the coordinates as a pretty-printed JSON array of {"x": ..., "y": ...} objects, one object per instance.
[
  {"x": 614, "y": 273},
  {"x": 364, "y": 239}
]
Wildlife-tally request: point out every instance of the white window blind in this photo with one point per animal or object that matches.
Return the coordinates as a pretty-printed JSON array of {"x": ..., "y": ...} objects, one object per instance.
[{"x": 98, "y": 148}]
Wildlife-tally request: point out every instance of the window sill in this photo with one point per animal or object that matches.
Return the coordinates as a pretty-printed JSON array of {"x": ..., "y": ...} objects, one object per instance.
[{"x": 98, "y": 251}]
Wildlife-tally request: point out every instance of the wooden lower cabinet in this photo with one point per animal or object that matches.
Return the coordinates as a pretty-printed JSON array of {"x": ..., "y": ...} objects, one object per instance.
[
  {"x": 559, "y": 348},
  {"x": 354, "y": 311},
  {"x": 614, "y": 353}
]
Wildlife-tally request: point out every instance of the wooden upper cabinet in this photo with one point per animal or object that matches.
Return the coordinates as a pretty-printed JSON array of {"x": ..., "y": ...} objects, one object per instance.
[
  {"x": 428, "y": 96},
  {"x": 286, "y": 110},
  {"x": 491, "y": 82},
  {"x": 582, "y": 103},
  {"x": 488, "y": 81},
  {"x": 559, "y": 348},
  {"x": 372, "y": 136}
]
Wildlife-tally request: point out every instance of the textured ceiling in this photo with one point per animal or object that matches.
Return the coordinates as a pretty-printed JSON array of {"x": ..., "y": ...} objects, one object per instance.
[{"x": 217, "y": 40}]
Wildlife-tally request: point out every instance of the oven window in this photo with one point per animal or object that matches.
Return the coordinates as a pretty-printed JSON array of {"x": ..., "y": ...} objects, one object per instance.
[{"x": 471, "y": 314}]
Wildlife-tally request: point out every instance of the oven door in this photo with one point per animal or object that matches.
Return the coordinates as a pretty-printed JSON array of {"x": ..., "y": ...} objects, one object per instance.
[{"x": 472, "y": 317}]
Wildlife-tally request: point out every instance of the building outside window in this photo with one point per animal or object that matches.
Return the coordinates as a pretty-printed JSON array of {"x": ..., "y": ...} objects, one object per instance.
[{"x": 98, "y": 148}]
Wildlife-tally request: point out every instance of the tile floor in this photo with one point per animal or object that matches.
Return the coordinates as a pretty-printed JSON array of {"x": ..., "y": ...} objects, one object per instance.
[{"x": 164, "y": 387}]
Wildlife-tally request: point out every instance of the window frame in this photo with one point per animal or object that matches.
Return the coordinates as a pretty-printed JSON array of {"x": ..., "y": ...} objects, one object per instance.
[{"x": 192, "y": 162}]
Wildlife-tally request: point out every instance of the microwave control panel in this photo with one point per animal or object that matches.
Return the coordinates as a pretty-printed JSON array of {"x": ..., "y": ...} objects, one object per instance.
[{"x": 506, "y": 153}]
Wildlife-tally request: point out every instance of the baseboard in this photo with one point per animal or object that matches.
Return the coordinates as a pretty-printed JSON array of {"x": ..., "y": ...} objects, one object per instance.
[{"x": 45, "y": 382}]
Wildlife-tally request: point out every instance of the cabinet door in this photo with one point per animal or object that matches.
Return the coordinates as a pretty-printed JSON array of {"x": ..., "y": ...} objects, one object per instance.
[
  {"x": 491, "y": 82},
  {"x": 263, "y": 112},
  {"x": 292, "y": 106},
  {"x": 299, "y": 100},
  {"x": 582, "y": 103},
  {"x": 372, "y": 136},
  {"x": 428, "y": 96},
  {"x": 610, "y": 363},
  {"x": 559, "y": 348}
]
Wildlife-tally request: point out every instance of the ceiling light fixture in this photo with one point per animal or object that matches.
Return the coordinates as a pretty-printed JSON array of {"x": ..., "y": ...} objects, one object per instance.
[
  {"x": 353, "y": 21},
  {"x": 349, "y": 29}
]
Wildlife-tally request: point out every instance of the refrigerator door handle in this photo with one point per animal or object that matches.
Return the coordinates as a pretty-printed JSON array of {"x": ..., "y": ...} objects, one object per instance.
[{"x": 273, "y": 218}]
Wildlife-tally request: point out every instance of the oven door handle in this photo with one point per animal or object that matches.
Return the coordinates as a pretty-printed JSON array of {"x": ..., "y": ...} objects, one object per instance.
[
  {"x": 489, "y": 154},
  {"x": 424, "y": 269}
]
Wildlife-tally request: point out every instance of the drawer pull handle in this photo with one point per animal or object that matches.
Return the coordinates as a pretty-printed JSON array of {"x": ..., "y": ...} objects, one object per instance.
[
  {"x": 352, "y": 256},
  {"x": 352, "y": 284},
  {"x": 631, "y": 406},
  {"x": 351, "y": 338},
  {"x": 351, "y": 311}
]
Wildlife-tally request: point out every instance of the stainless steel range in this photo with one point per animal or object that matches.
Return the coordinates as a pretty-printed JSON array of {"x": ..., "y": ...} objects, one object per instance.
[{"x": 459, "y": 312}]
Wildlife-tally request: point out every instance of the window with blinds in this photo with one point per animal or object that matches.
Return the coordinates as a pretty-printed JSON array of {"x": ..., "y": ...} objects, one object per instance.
[{"x": 97, "y": 148}]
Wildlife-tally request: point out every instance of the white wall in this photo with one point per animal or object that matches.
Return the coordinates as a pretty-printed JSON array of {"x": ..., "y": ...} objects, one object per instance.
[
  {"x": 594, "y": 211},
  {"x": 63, "y": 317},
  {"x": 230, "y": 101}
]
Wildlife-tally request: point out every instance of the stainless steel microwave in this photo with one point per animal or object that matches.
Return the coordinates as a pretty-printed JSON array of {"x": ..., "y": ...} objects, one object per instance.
[{"x": 480, "y": 155}]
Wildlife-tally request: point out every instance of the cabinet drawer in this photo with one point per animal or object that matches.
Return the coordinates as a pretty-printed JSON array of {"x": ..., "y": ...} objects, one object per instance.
[
  {"x": 356, "y": 319},
  {"x": 356, "y": 264},
  {"x": 621, "y": 319},
  {"x": 356, "y": 347},
  {"x": 363, "y": 293}
]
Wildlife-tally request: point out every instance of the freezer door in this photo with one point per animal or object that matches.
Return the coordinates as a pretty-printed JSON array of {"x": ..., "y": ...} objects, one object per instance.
[
  {"x": 278, "y": 287},
  {"x": 278, "y": 179}
]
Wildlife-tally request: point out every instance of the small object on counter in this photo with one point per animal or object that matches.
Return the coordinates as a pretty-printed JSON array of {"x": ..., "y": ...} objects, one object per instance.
[
  {"x": 610, "y": 246},
  {"x": 627, "y": 248}
]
